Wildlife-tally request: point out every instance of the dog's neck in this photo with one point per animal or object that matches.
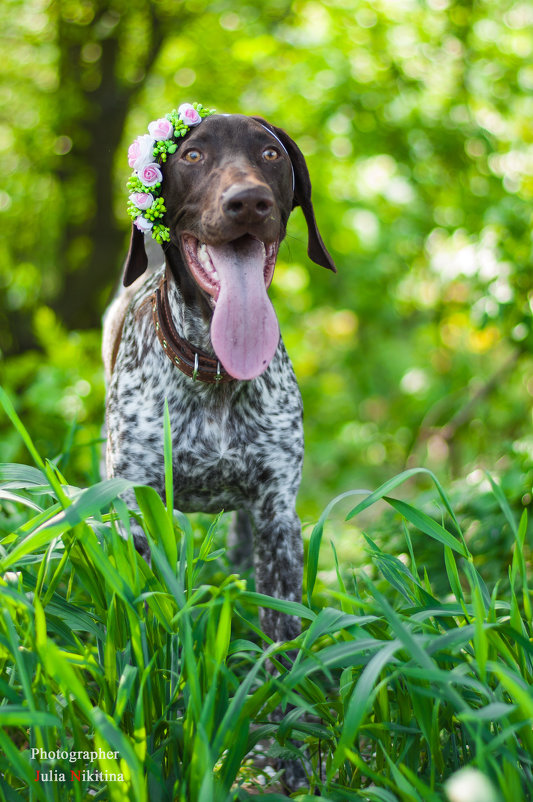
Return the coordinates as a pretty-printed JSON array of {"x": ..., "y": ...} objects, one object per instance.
[{"x": 190, "y": 308}]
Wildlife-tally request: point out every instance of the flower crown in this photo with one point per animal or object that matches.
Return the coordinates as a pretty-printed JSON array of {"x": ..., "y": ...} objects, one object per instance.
[{"x": 146, "y": 207}]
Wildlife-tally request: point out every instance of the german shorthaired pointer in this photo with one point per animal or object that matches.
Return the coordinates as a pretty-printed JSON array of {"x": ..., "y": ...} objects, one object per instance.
[{"x": 201, "y": 332}]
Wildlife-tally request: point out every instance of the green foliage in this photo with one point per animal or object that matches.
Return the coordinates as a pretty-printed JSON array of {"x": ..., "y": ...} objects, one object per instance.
[
  {"x": 393, "y": 689},
  {"x": 60, "y": 389},
  {"x": 415, "y": 119}
]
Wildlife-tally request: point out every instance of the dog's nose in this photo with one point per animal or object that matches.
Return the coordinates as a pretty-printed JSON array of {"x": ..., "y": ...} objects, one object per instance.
[{"x": 247, "y": 205}]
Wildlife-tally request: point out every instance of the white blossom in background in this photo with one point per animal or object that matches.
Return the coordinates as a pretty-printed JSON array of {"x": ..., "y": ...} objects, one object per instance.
[{"x": 470, "y": 785}]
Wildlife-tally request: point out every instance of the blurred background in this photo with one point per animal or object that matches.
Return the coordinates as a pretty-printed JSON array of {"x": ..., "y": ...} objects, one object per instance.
[{"x": 416, "y": 118}]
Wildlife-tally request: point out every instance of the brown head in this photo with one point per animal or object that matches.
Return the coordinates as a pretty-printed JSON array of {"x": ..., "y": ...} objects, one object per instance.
[{"x": 229, "y": 190}]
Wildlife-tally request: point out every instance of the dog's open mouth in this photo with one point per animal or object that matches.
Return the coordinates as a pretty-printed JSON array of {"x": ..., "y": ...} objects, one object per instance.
[
  {"x": 236, "y": 275},
  {"x": 202, "y": 259}
]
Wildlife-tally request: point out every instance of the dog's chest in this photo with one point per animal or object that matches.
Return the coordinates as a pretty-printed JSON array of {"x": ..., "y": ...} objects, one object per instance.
[
  {"x": 229, "y": 442},
  {"x": 224, "y": 451}
]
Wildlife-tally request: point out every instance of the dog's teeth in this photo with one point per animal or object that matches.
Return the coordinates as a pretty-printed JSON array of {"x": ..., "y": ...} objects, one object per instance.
[
  {"x": 202, "y": 255},
  {"x": 205, "y": 260}
]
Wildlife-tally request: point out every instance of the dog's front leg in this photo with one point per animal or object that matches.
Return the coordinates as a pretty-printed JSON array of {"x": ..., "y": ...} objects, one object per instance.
[
  {"x": 128, "y": 458},
  {"x": 278, "y": 558},
  {"x": 278, "y": 564}
]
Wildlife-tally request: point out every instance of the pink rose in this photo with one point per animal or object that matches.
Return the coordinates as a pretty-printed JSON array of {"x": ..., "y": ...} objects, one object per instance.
[
  {"x": 143, "y": 224},
  {"x": 161, "y": 129},
  {"x": 140, "y": 152},
  {"x": 189, "y": 115},
  {"x": 150, "y": 175},
  {"x": 142, "y": 200}
]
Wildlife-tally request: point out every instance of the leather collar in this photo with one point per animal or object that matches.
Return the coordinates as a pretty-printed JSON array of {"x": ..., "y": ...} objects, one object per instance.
[{"x": 192, "y": 361}]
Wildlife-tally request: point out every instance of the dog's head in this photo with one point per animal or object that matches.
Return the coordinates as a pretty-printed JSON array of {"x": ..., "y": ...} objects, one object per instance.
[{"x": 229, "y": 190}]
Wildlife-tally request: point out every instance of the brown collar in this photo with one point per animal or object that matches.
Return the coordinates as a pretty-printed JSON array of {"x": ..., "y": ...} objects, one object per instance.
[{"x": 192, "y": 361}]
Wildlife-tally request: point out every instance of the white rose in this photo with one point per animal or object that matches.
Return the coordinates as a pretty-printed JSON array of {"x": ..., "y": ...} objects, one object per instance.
[{"x": 143, "y": 152}]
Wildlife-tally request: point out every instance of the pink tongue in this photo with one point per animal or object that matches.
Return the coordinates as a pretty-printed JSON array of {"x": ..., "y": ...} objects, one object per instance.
[{"x": 244, "y": 329}]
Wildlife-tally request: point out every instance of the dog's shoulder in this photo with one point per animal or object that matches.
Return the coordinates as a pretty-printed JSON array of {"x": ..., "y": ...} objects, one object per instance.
[{"x": 129, "y": 306}]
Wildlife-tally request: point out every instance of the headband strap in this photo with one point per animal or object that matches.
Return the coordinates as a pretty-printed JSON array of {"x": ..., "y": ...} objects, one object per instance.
[
  {"x": 285, "y": 149},
  {"x": 280, "y": 142}
]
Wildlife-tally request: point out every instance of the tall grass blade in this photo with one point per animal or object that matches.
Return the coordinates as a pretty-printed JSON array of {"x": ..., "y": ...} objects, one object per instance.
[
  {"x": 427, "y": 525},
  {"x": 316, "y": 540},
  {"x": 169, "y": 476},
  {"x": 393, "y": 483},
  {"x": 158, "y": 522}
]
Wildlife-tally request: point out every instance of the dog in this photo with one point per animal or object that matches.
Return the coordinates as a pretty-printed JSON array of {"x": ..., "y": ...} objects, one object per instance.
[{"x": 200, "y": 331}]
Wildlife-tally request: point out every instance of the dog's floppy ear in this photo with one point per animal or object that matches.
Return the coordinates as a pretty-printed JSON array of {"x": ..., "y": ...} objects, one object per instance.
[
  {"x": 316, "y": 249},
  {"x": 136, "y": 260}
]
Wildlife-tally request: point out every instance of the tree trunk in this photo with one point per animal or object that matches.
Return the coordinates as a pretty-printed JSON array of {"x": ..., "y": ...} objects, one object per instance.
[{"x": 96, "y": 135}]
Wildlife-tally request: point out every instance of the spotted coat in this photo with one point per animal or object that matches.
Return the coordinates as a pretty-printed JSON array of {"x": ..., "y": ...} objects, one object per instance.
[{"x": 237, "y": 445}]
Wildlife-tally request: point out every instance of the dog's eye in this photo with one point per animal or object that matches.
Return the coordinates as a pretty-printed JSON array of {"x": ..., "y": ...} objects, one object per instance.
[
  {"x": 270, "y": 154},
  {"x": 193, "y": 156}
]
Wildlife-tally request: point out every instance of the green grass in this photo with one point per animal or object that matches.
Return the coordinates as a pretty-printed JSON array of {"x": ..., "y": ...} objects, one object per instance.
[{"x": 392, "y": 691}]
